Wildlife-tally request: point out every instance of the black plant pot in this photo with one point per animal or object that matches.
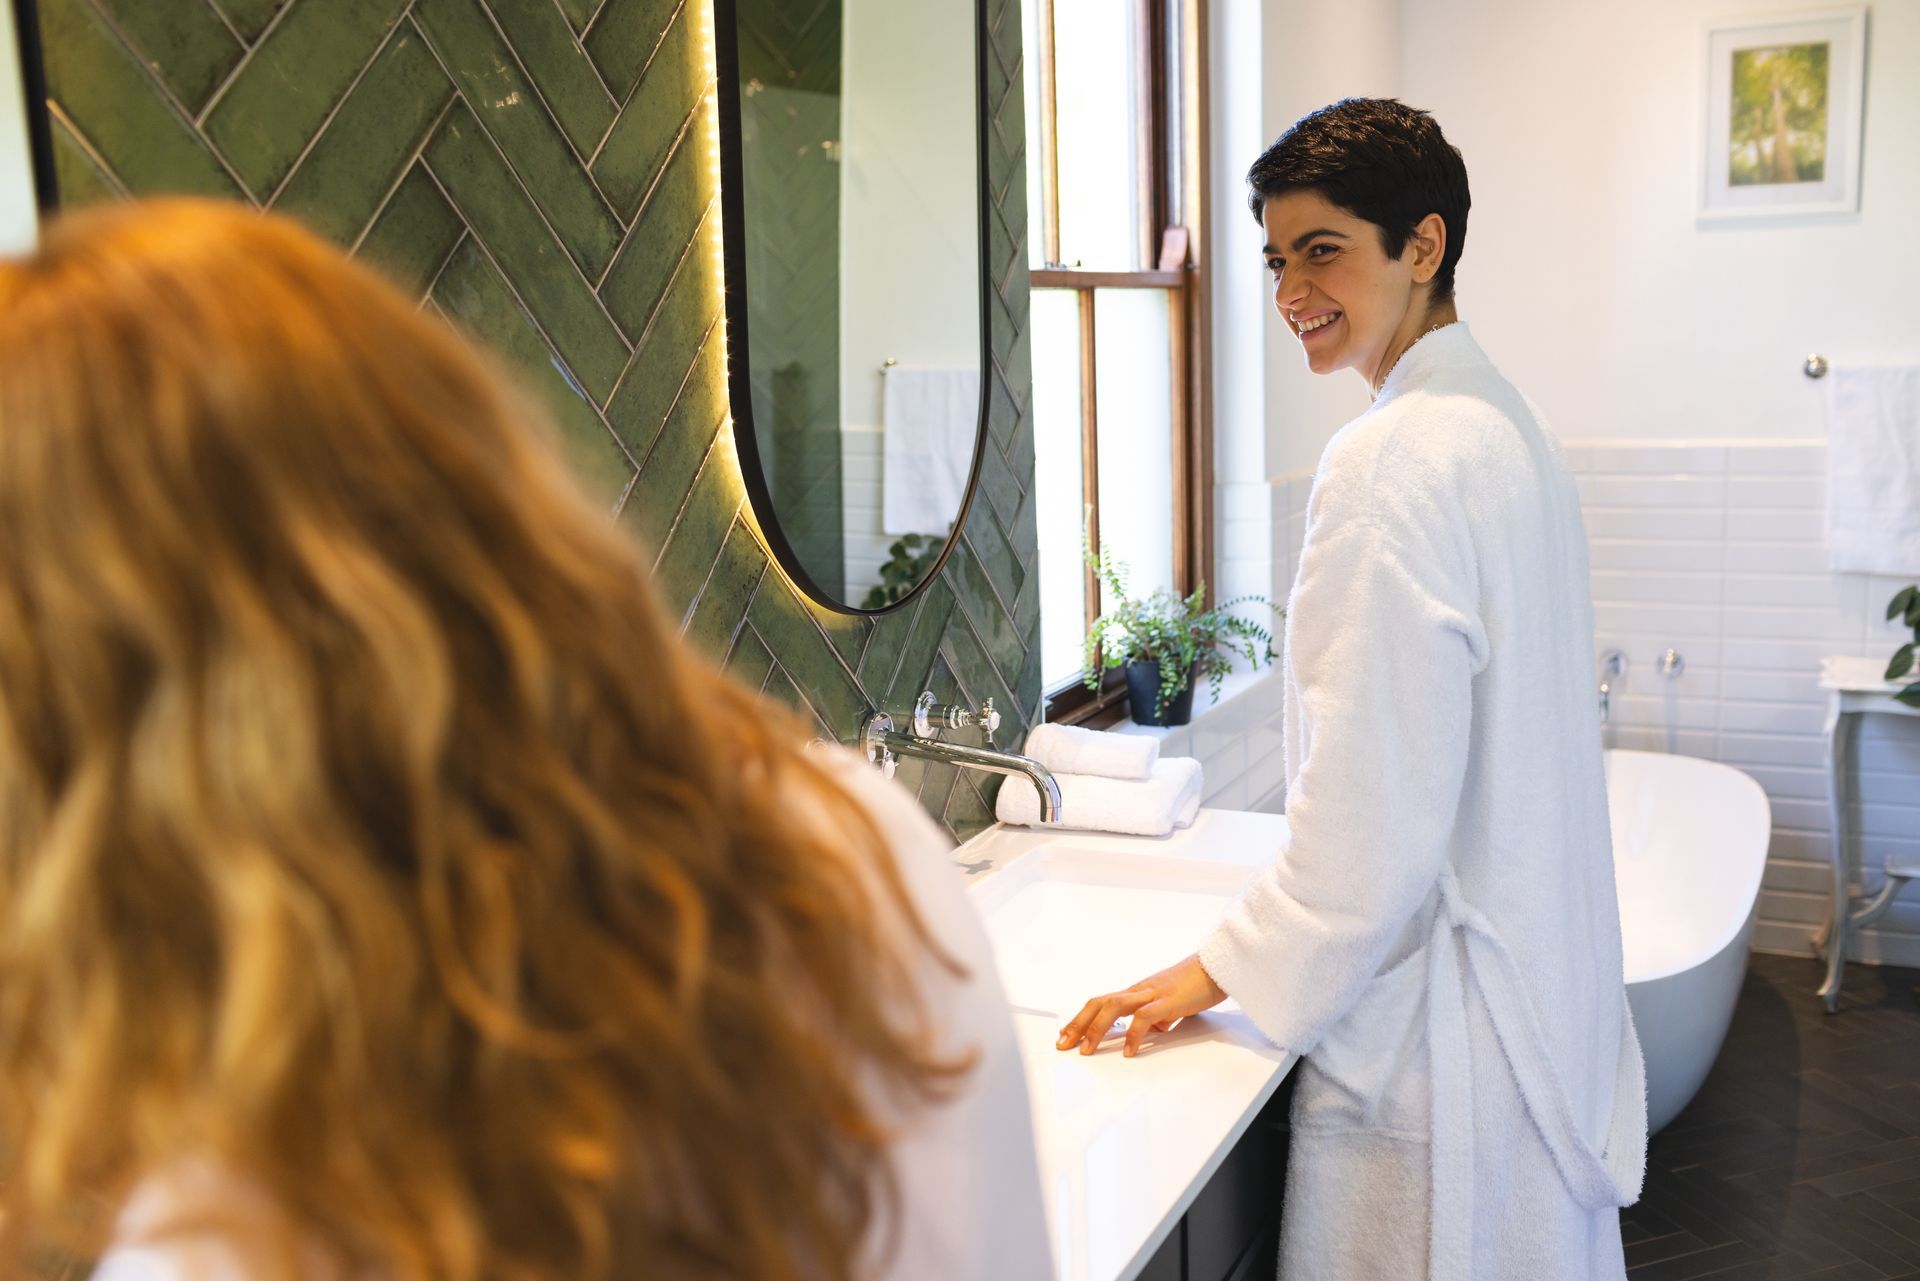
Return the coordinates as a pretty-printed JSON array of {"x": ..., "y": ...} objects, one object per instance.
[{"x": 1143, "y": 691}]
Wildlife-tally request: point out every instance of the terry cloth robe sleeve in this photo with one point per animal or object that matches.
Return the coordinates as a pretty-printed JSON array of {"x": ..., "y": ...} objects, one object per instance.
[{"x": 1383, "y": 644}]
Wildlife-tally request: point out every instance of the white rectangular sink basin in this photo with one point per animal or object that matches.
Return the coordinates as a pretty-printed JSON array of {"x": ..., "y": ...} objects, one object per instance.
[
  {"x": 1069, "y": 922},
  {"x": 1123, "y": 1144}
]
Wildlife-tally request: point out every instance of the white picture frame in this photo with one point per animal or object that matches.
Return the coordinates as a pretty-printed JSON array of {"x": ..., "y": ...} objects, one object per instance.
[{"x": 1781, "y": 122}]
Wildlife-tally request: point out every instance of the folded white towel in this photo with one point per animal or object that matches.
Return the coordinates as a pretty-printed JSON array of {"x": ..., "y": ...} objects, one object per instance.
[
  {"x": 1152, "y": 806},
  {"x": 1873, "y": 469},
  {"x": 932, "y": 416},
  {"x": 1068, "y": 749}
]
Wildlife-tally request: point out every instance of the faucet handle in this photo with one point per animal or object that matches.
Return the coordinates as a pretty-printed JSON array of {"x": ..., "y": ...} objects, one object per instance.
[{"x": 930, "y": 716}]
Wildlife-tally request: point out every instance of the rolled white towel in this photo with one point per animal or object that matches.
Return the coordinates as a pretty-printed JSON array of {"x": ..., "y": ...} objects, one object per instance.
[
  {"x": 1151, "y": 806},
  {"x": 1068, "y": 749}
]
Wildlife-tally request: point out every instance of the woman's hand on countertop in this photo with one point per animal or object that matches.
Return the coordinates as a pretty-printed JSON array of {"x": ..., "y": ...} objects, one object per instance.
[{"x": 1155, "y": 1003}]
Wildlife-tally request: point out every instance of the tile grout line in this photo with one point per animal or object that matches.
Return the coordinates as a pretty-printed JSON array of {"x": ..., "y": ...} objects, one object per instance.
[
  {"x": 553, "y": 117},
  {"x": 538, "y": 212},
  {"x": 412, "y": 160},
  {"x": 553, "y": 350},
  {"x": 632, "y": 228},
  {"x": 313, "y": 139},
  {"x": 80, "y": 140},
  {"x": 221, "y": 15},
  {"x": 712, "y": 211},
  {"x": 246, "y": 60},
  {"x": 150, "y": 73}
]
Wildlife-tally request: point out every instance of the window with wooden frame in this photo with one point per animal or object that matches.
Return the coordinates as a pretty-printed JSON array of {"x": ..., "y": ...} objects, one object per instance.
[{"x": 1117, "y": 174}]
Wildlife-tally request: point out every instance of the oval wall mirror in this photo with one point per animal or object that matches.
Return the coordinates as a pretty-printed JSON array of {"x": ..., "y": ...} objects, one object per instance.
[{"x": 854, "y": 215}]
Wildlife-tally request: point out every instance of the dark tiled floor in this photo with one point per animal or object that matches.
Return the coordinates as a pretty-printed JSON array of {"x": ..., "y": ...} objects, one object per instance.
[{"x": 1800, "y": 1157}]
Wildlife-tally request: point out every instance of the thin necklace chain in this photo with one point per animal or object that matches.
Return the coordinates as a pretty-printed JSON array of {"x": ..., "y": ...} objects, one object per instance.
[{"x": 1403, "y": 355}]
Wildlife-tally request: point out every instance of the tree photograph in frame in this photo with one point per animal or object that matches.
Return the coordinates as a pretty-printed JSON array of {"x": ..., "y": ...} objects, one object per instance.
[{"x": 1784, "y": 97}]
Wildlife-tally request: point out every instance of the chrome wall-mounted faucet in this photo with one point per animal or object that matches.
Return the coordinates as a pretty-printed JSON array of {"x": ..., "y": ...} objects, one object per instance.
[
  {"x": 884, "y": 745},
  {"x": 1613, "y": 667}
]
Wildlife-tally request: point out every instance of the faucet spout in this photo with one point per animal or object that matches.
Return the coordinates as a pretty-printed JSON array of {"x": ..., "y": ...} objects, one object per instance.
[{"x": 882, "y": 743}]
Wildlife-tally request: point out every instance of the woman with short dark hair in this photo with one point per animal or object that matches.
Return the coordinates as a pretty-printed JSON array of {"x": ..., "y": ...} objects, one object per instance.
[{"x": 1441, "y": 939}]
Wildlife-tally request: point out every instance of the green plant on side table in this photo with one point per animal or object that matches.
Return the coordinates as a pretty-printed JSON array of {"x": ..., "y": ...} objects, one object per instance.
[
  {"x": 1165, "y": 641},
  {"x": 1905, "y": 606}
]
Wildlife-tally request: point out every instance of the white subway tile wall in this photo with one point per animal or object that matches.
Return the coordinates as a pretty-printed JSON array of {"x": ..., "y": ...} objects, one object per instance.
[{"x": 1717, "y": 551}]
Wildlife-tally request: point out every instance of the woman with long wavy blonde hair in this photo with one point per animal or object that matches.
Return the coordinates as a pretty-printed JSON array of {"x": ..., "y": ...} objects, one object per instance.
[{"x": 384, "y": 892}]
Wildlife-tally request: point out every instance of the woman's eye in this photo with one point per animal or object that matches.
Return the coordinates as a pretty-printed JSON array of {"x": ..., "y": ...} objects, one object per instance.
[{"x": 1315, "y": 251}]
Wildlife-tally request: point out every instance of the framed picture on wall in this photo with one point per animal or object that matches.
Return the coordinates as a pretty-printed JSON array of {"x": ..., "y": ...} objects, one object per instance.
[{"x": 1784, "y": 98}]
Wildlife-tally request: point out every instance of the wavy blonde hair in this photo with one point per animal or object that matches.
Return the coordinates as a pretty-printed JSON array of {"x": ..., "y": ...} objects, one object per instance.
[{"x": 364, "y": 827}]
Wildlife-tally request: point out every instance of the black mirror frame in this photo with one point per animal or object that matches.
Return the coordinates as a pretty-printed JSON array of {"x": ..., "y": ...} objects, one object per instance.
[
  {"x": 33, "y": 77},
  {"x": 726, "y": 56}
]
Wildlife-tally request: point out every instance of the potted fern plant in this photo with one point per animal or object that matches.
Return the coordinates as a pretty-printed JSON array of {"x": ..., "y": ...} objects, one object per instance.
[
  {"x": 1905, "y": 606},
  {"x": 1166, "y": 641}
]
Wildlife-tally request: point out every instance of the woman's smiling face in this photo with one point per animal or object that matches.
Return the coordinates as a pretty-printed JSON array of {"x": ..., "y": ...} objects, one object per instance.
[{"x": 1342, "y": 297}]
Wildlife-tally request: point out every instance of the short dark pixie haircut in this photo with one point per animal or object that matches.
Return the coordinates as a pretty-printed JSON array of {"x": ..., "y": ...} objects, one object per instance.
[{"x": 1379, "y": 160}]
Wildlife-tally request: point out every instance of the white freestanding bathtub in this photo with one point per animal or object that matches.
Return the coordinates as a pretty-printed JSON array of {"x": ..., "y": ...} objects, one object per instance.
[{"x": 1689, "y": 844}]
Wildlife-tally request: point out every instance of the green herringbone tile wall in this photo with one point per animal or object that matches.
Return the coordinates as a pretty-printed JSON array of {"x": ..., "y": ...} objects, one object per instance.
[{"x": 541, "y": 172}]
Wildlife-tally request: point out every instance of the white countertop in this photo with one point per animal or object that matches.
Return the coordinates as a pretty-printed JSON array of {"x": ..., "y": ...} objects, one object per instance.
[{"x": 1126, "y": 1144}]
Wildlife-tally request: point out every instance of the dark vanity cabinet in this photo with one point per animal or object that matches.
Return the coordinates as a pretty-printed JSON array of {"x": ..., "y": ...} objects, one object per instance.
[{"x": 1232, "y": 1230}]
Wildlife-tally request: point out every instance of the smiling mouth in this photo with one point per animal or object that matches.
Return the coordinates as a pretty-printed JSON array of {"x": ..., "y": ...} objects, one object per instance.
[{"x": 1318, "y": 323}]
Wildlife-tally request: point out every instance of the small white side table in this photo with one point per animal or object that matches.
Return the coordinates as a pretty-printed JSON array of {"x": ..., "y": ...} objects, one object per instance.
[{"x": 1854, "y": 689}]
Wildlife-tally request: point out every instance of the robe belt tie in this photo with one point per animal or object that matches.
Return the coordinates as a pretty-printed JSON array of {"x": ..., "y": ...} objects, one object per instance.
[{"x": 1595, "y": 1179}]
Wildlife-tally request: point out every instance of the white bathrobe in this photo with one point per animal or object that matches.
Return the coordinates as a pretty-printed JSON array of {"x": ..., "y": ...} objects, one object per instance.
[{"x": 1441, "y": 939}]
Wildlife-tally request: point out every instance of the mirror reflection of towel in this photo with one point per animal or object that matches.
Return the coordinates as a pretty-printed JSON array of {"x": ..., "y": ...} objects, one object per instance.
[
  {"x": 1873, "y": 469},
  {"x": 931, "y": 418}
]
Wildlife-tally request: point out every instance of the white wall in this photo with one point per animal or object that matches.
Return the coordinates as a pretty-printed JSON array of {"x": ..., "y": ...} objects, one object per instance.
[
  {"x": 1585, "y": 274},
  {"x": 1313, "y": 53},
  {"x": 18, "y": 219},
  {"x": 909, "y": 219}
]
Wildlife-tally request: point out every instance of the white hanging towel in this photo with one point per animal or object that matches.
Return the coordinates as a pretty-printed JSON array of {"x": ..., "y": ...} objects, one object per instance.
[
  {"x": 1873, "y": 469},
  {"x": 1068, "y": 749},
  {"x": 931, "y": 418},
  {"x": 1153, "y": 806}
]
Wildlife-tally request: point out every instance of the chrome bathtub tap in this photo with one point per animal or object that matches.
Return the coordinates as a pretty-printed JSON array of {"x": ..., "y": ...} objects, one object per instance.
[
  {"x": 1613, "y": 667},
  {"x": 884, "y": 745}
]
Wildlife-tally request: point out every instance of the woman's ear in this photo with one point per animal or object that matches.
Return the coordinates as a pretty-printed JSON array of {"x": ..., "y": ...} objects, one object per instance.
[{"x": 1429, "y": 245}]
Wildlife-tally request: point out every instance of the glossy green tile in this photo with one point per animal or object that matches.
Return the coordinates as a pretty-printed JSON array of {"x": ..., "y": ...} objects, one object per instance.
[
  {"x": 123, "y": 115},
  {"x": 413, "y": 235},
  {"x": 181, "y": 41},
  {"x": 920, "y": 651},
  {"x": 668, "y": 468},
  {"x": 975, "y": 669},
  {"x": 304, "y": 66},
  {"x": 77, "y": 180},
  {"x": 782, "y": 621},
  {"x": 624, "y": 36},
  {"x": 249, "y": 17},
  {"x": 504, "y": 100},
  {"x": 676, "y": 80},
  {"x": 967, "y": 812},
  {"x": 997, "y": 485},
  {"x": 751, "y": 661},
  {"x": 579, "y": 12},
  {"x": 890, "y": 632},
  {"x": 498, "y": 211},
  {"x": 723, "y": 602},
  {"x": 847, "y": 633},
  {"x": 472, "y": 294},
  {"x": 992, "y": 617},
  {"x": 936, "y": 787},
  {"x": 566, "y": 78},
  {"x": 369, "y": 141},
  {"x": 996, "y": 555},
  {"x": 686, "y": 316},
  {"x": 646, "y": 262},
  {"x": 686, "y": 559}
]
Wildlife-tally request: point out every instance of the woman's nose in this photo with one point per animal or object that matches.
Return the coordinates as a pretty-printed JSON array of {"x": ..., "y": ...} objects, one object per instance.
[{"x": 1288, "y": 294}]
